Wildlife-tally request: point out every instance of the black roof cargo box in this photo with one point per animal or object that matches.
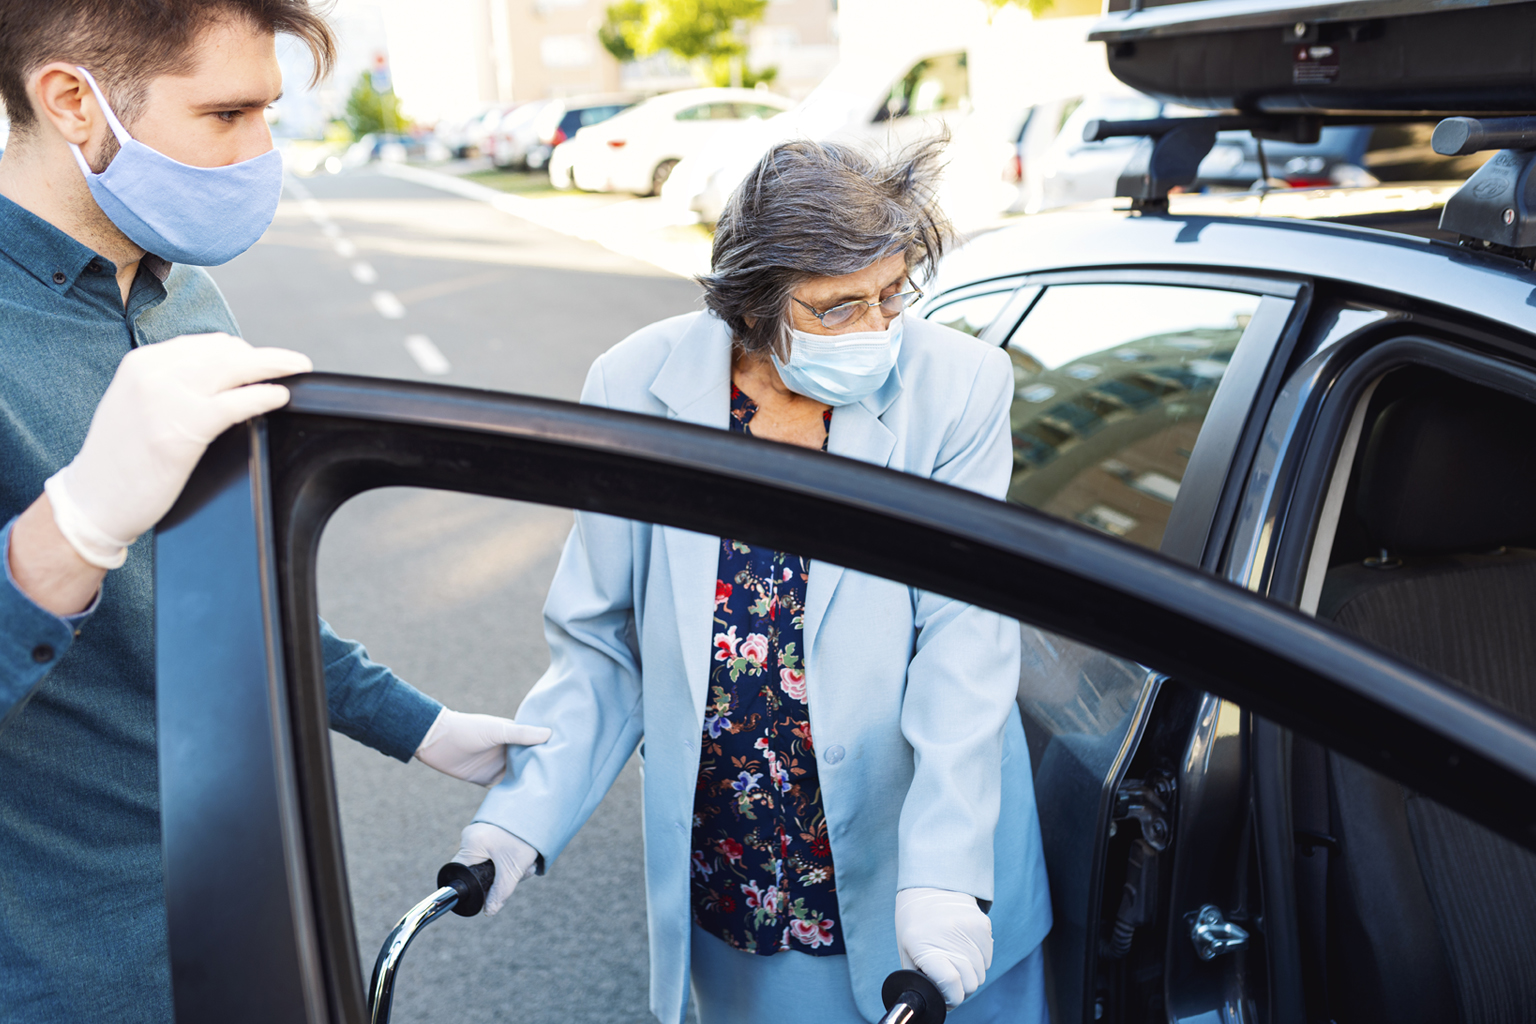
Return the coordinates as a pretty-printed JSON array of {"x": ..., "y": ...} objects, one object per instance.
[{"x": 1335, "y": 58}]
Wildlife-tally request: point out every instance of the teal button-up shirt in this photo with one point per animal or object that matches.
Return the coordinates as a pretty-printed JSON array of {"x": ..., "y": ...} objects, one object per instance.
[{"x": 82, "y": 917}]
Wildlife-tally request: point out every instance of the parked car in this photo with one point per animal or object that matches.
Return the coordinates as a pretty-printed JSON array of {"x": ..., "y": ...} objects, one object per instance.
[
  {"x": 390, "y": 147},
  {"x": 1270, "y": 546},
  {"x": 635, "y": 151},
  {"x": 514, "y": 135},
  {"x": 563, "y": 118},
  {"x": 469, "y": 138}
]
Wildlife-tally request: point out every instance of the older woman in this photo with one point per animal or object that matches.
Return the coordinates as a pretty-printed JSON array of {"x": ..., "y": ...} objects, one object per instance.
[{"x": 836, "y": 780}]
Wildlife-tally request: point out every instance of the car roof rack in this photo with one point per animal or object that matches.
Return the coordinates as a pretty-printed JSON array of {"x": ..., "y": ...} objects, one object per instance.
[
  {"x": 1172, "y": 148},
  {"x": 1495, "y": 210}
]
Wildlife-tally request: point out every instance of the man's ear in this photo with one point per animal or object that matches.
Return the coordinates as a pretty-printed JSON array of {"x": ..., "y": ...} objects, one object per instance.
[{"x": 62, "y": 98}]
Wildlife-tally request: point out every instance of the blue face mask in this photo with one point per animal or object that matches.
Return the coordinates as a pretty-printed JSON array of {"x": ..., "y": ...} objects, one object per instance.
[
  {"x": 198, "y": 215},
  {"x": 840, "y": 369}
]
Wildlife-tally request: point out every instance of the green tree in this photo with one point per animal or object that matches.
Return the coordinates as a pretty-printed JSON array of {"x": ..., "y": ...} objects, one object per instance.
[
  {"x": 703, "y": 32},
  {"x": 622, "y": 22},
  {"x": 370, "y": 111}
]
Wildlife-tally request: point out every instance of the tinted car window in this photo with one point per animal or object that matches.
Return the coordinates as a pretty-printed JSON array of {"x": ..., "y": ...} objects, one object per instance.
[
  {"x": 971, "y": 314},
  {"x": 1112, "y": 384}
]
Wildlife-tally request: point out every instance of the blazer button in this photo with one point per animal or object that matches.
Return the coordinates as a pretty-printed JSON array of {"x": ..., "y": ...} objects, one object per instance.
[{"x": 833, "y": 754}]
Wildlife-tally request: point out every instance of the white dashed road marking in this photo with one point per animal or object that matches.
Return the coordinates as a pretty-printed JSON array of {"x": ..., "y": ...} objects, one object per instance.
[
  {"x": 427, "y": 355},
  {"x": 389, "y": 307}
]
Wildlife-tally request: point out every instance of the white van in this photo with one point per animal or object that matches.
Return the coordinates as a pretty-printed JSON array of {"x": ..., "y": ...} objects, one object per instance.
[{"x": 978, "y": 83}]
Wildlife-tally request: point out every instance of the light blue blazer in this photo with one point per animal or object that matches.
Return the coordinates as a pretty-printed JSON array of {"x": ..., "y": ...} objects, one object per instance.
[{"x": 924, "y": 772}]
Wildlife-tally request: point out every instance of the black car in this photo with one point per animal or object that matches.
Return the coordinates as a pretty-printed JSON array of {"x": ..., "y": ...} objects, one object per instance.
[{"x": 1271, "y": 547}]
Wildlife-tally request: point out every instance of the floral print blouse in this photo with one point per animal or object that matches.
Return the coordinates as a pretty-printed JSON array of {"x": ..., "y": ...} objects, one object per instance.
[{"x": 762, "y": 875}]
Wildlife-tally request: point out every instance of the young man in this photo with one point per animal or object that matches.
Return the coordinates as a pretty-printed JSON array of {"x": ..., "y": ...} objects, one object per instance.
[{"x": 138, "y": 146}]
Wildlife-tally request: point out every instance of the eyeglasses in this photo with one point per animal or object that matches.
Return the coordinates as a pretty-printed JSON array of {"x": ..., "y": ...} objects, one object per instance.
[{"x": 847, "y": 311}]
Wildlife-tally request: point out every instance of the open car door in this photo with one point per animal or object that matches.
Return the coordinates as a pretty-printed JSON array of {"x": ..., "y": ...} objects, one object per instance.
[{"x": 260, "y": 923}]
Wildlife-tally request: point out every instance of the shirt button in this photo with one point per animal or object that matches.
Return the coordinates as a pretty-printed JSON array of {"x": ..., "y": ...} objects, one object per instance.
[
  {"x": 59, "y": 277},
  {"x": 833, "y": 754},
  {"x": 93, "y": 267},
  {"x": 42, "y": 653}
]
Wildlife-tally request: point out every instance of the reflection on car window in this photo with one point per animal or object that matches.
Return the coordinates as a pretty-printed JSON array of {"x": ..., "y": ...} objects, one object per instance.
[
  {"x": 971, "y": 314},
  {"x": 931, "y": 86},
  {"x": 1112, "y": 383}
]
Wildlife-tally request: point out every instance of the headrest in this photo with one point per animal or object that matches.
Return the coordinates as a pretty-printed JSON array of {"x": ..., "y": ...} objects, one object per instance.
[{"x": 1453, "y": 469}]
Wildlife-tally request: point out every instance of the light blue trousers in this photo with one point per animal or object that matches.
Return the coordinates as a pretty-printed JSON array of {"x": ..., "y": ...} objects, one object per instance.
[{"x": 732, "y": 987}]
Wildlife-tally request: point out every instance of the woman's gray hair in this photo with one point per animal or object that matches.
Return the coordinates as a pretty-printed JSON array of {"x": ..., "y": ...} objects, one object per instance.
[{"x": 817, "y": 209}]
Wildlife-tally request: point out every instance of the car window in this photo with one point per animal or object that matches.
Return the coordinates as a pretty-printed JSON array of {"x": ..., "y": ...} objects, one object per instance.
[
  {"x": 971, "y": 314},
  {"x": 745, "y": 110},
  {"x": 931, "y": 86},
  {"x": 698, "y": 112},
  {"x": 592, "y": 115},
  {"x": 1112, "y": 383},
  {"x": 407, "y": 570}
]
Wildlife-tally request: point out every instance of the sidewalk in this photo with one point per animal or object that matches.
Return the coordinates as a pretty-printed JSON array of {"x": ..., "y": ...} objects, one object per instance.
[{"x": 638, "y": 228}]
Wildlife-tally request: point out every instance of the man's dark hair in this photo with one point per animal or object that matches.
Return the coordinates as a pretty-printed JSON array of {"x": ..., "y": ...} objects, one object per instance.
[
  {"x": 819, "y": 209},
  {"x": 128, "y": 43}
]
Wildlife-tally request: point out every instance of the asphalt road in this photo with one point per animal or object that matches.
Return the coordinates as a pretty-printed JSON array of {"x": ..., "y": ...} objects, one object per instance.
[{"x": 372, "y": 275}]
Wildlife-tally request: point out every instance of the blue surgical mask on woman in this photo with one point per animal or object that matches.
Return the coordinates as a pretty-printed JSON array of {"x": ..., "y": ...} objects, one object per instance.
[
  {"x": 840, "y": 369},
  {"x": 198, "y": 215}
]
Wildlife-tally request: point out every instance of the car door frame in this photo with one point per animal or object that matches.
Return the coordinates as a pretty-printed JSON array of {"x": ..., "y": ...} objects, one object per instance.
[
  {"x": 1273, "y": 536},
  {"x": 259, "y": 920}
]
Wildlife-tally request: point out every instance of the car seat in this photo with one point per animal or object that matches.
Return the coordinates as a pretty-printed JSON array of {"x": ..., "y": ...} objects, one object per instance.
[{"x": 1428, "y": 916}]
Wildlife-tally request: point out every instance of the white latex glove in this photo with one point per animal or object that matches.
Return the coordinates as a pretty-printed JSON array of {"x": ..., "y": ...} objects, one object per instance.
[
  {"x": 515, "y": 860},
  {"x": 164, "y": 405},
  {"x": 946, "y": 936},
  {"x": 474, "y": 747}
]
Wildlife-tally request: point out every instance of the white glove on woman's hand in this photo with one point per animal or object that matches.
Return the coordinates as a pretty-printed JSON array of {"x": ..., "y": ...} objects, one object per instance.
[
  {"x": 164, "y": 405},
  {"x": 515, "y": 860},
  {"x": 946, "y": 936},
  {"x": 474, "y": 747}
]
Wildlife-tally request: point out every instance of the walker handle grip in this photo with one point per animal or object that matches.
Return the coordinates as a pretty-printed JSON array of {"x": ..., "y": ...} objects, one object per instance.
[
  {"x": 910, "y": 998},
  {"x": 471, "y": 881}
]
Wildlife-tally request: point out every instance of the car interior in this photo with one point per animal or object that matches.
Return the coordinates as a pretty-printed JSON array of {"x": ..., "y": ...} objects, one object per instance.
[{"x": 1409, "y": 912}]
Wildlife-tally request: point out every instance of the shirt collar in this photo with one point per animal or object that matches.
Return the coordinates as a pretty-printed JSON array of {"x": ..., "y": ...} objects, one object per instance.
[
  {"x": 52, "y": 256},
  {"x": 41, "y": 249}
]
